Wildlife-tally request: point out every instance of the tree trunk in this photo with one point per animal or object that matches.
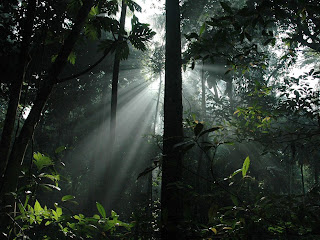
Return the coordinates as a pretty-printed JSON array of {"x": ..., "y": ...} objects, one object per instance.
[
  {"x": 157, "y": 106},
  {"x": 171, "y": 199},
  {"x": 16, "y": 86},
  {"x": 20, "y": 145},
  {"x": 115, "y": 80}
]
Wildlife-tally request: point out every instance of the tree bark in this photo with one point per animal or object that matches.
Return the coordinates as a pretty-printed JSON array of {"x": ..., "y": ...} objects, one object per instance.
[
  {"x": 115, "y": 81},
  {"x": 20, "y": 145},
  {"x": 171, "y": 199},
  {"x": 16, "y": 86}
]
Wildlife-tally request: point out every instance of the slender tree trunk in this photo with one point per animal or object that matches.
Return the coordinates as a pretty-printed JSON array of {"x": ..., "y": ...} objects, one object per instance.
[
  {"x": 115, "y": 80},
  {"x": 16, "y": 86},
  {"x": 157, "y": 106},
  {"x": 20, "y": 145},
  {"x": 171, "y": 199}
]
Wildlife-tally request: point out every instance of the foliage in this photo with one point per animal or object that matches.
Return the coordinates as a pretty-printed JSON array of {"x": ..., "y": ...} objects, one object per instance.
[{"x": 34, "y": 221}]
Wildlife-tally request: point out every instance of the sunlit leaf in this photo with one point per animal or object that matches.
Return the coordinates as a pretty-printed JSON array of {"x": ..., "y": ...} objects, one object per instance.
[
  {"x": 214, "y": 230},
  {"x": 37, "y": 207},
  {"x": 41, "y": 161},
  {"x": 101, "y": 210},
  {"x": 245, "y": 166},
  {"x": 227, "y": 228},
  {"x": 67, "y": 198},
  {"x": 236, "y": 172}
]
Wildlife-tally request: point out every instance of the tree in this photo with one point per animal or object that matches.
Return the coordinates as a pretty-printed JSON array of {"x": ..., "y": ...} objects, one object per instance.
[
  {"x": 115, "y": 80},
  {"x": 171, "y": 199},
  {"x": 19, "y": 148},
  {"x": 15, "y": 88}
]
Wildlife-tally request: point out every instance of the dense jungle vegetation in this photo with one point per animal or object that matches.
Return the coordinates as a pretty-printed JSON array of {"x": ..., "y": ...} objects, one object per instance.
[{"x": 159, "y": 119}]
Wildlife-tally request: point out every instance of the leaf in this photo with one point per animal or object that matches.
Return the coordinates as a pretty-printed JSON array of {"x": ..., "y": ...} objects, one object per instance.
[
  {"x": 37, "y": 207},
  {"x": 234, "y": 200},
  {"x": 94, "y": 11},
  {"x": 213, "y": 230},
  {"x": 226, "y": 7},
  {"x": 53, "y": 58},
  {"x": 236, "y": 172},
  {"x": 245, "y": 166},
  {"x": 72, "y": 58},
  {"x": 67, "y": 198},
  {"x": 133, "y": 6},
  {"x": 198, "y": 128},
  {"x": 139, "y": 35},
  {"x": 60, "y": 149},
  {"x": 227, "y": 228},
  {"x": 41, "y": 161},
  {"x": 101, "y": 210},
  {"x": 123, "y": 51},
  {"x": 202, "y": 29},
  {"x": 59, "y": 211},
  {"x": 209, "y": 130},
  {"x": 50, "y": 186}
]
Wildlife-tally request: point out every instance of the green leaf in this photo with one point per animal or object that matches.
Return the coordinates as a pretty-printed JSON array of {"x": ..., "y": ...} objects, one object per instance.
[
  {"x": 101, "y": 210},
  {"x": 202, "y": 29},
  {"x": 234, "y": 200},
  {"x": 72, "y": 58},
  {"x": 236, "y": 172},
  {"x": 94, "y": 11},
  {"x": 245, "y": 166},
  {"x": 50, "y": 186},
  {"x": 53, "y": 58},
  {"x": 59, "y": 211},
  {"x": 37, "y": 207},
  {"x": 60, "y": 149},
  {"x": 41, "y": 161},
  {"x": 67, "y": 198}
]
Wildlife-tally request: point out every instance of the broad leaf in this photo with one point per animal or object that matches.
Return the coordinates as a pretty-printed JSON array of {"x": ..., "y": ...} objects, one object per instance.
[
  {"x": 101, "y": 210},
  {"x": 41, "y": 161}
]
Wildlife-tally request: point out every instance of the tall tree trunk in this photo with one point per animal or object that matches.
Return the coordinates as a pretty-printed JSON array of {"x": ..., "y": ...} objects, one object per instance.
[
  {"x": 16, "y": 86},
  {"x": 171, "y": 199},
  {"x": 157, "y": 106},
  {"x": 115, "y": 80},
  {"x": 20, "y": 145}
]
